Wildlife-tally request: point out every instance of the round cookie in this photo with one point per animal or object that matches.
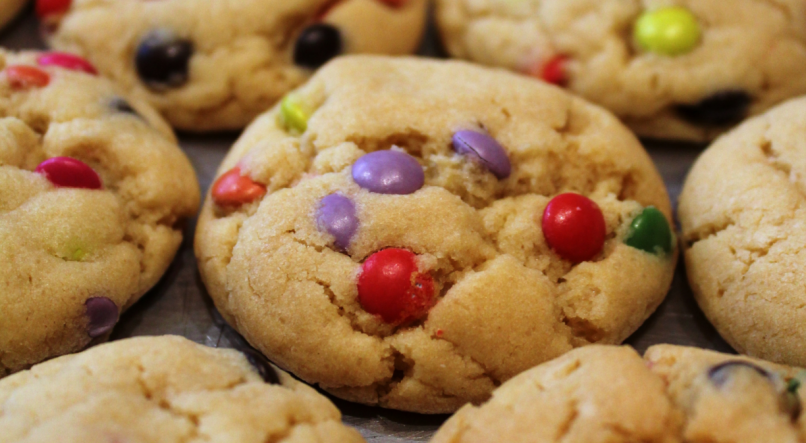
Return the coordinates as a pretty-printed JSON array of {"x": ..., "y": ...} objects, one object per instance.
[
  {"x": 217, "y": 64},
  {"x": 93, "y": 194},
  {"x": 741, "y": 213},
  {"x": 609, "y": 394},
  {"x": 680, "y": 69},
  {"x": 9, "y": 9},
  {"x": 379, "y": 232},
  {"x": 164, "y": 389},
  {"x": 728, "y": 398}
]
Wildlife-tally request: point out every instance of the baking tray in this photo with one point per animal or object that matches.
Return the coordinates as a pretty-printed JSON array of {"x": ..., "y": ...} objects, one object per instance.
[{"x": 180, "y": 305}]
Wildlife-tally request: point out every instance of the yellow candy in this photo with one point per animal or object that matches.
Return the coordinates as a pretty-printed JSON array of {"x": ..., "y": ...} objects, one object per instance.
[
  {"x": 293, "y": 114},
  {"x": 668, "y": 31}
]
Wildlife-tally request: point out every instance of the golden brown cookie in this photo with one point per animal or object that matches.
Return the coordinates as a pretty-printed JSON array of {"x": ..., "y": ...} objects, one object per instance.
[
  {"x": 412, "y": 233},
  {"x": 93, "y": 194},
  {"x": 217, "y": 64},
  {"x": 742, "y": 213},
  {"x": 164, "y": 389}
]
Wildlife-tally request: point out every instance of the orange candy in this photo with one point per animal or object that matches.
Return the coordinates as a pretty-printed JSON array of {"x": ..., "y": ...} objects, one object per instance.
[
  {"x": 24, "y": 77},
  {"x": 234, "y": 189}
]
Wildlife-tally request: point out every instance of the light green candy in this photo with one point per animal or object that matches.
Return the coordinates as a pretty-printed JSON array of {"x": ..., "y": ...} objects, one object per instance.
[
  {"x": 668, "y": 31},
  {"x": 293, "y": 114}
]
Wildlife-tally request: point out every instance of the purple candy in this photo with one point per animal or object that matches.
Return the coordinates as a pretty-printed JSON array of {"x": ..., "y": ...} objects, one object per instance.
[
  {"x": 103, "y": 314},
  {"x": 336, "y": 216},
  {"x": 485, "y": 149},
  {"x": 389, "y": 172}
]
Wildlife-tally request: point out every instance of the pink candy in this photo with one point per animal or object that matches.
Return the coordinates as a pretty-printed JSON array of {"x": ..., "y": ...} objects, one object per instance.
[
  {"x": 68, "y": 61},
  {"x": 66, "y": 172}
]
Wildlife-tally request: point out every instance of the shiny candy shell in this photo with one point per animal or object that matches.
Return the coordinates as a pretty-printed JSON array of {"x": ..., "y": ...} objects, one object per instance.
[
  {"x": 336, "y": 216},
  {"x": 68, "y": 61},
  {"x": 389, "y": 172},
  {"x": 391, "y": 287},
  {"x": 574, "y": 227},
  {"x": 668, "y": 31},
  {"x": 650, "y": 232},
  {"x": 234, "y": 189},
  {"x": 102, "y": 314},
  {"x": 67, "y": 172},
  {"x": 485, "y": 149},
  {"x": 25, "y": 77},
  {"x": 293, "y": 114},
  {"x": 45, "y": 8}
]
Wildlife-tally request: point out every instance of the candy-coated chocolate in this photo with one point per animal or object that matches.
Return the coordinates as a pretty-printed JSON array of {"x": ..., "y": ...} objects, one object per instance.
[
  {"x": 262, "y": 366},
  {"x": 554, "y": 71},
  {"x": 316, "y": 45},
  {"x": 574, "y": 227},
  {"x": 293, "y": 114},
  {"x": 394, "y": 3},
  {"x": 389, "y": 172},
  {"x": 103, "y": 314},
  {"x": 68, "y": 61},
  {"x": 721, "y": 109},
  {"x": 336, "y": 216},
  {"x": 391, "y": 287},
  {"x": 67, "y": 172},
  {"x": 234, "y": 189},
  {"x": 163, "y": 59},
  {"x": 45, "y": 8},
  {"x": 484, "y": 149},
  {"x": 650, "y": 232},
  {"x": 24, "y": 77},
  {"x": 121, "y": 105},
  {"x": 668, "y": 31}
]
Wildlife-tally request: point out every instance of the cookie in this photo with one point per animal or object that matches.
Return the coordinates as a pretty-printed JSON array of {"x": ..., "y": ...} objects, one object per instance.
[
  {"x": 728, "y": 398},
  {"x": 609, "y": 394},
  {"x": 9, "y": 9},
  {"x": 217, "y": 64},
  {"x": 165, "y": 389},
  {"x": 411, "y": 233},
  {"x": 682, "y": 69},
  {"x": 93, "y": 194},
  {"x": 741, "y": 214}
]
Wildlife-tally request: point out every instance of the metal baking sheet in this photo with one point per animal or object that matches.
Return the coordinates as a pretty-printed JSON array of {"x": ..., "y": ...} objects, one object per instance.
[{"x": 179, "y": 303}]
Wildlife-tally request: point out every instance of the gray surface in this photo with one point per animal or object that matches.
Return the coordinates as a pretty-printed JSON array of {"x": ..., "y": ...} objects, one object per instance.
[{"x": 180, "y": 305}]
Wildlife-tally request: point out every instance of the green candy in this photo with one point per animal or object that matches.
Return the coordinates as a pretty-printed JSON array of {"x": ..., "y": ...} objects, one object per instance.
[
  {"x": 293, "y": 114},
  {"x": 650, "y": 232},
  {"x": 668, "y": 31}
]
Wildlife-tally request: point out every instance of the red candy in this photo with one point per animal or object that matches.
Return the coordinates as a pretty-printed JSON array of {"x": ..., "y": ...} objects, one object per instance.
[
  {"x": 394, "y": 3},
  {"x": 574, "y": 227},
  {"x": 391, "y": 287},
  {"x": 66, "y": 172},
  {"x": 24, "y": 77},
  {"x": 234, "y": 189},
  {"x": 554, "y": 70},
  {"x": 45, "y": 8},
  {"x": 68, "y": 61}
]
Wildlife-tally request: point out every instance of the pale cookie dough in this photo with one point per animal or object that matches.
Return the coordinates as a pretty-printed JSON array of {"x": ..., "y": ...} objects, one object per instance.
[
  {"x": 750, "y": 56},
  {"x": 217, "y": 64},
  {"x": 9, "y": 10},
  {"x": 504, "y": 300},
  {"x": 609, "y": 394},
  {"x": 164, "y": 389},
  {"x": 742, "y": 213},
  {"x": 72, "y": 259},
  {"x": 727, "y": 398}
]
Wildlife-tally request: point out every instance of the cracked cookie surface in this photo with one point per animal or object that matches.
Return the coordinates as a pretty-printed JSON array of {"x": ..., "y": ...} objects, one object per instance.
[
  {"x": 501, "y": 300},
  {"x": 217, "y": 64},
  {"x": 163, "y": 389},
  {"x": 749, "y": 56},
  {"x": 742, "y": 213},
  {"x": 93, "y": 193},
  {"x": 609, "y": 394}
]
